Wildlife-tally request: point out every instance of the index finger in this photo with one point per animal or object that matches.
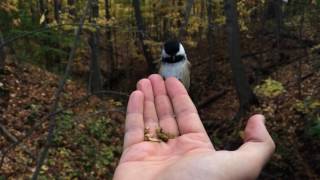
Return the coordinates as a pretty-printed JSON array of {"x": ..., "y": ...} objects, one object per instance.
[{"x": 186, "y": 113}]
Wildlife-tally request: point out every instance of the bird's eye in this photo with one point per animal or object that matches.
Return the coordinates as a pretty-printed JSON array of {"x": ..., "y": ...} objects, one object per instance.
[{"x": 179, "y": 57}]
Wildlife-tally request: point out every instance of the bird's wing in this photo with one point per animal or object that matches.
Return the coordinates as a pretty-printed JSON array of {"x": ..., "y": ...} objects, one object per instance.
[{"x": 185, "y": 76}]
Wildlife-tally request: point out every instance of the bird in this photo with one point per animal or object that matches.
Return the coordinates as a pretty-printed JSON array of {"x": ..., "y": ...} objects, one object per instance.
[{"x": 174, "y": 62}]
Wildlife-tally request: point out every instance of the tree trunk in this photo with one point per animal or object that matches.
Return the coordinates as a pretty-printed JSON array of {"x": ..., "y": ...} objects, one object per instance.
[
  {"x": 202, "y": 16},
  {"x": 107, "y": 9},
  {"x": 244, "y": 91},
  {"x": 43, "y": 7},
  {"x": 57, "y": 10},
  {"x": 183, "y": 27},
  {"x": 2, "y": 54},
  {"x": 141, "y": 33},
  {"x": 95, "y": 80},
  {"x": 299, "y": 68},
  {"x": 72, "y": 9},
  {"x": 279, "y": 22},
  {"x": 210, "y": 39},
  {"x": 33, "y": 11},
  {"x": 110, "y": 61}
]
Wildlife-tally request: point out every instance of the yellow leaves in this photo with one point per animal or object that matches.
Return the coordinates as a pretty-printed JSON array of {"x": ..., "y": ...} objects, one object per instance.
[
  {"x": 315, "y": 104},
  {"x": 270, "y": 88},
  {"x": 299, "y": 106},
  {"x": 189, "y": 42},
  {"x": 154, "y": 46},
  {"x": 68, "y": 27},
  {"x": 315, "y": 48},
  {"x": 7, "y": 7},
  {"x": 173, "y": 15},
  {"x": 194, "y": 24},
  {"x": 245, "y": 9},
  {"x": 152, "y": 43},
  {"x": 52, "y": 24},
  {"x": 241, "y": 134},
  {"x": 115, "y": 103},
  {"x": 121, "y": 10},
  {"x": 110, "y": 22},
  {"x": 243, "y": 26},
  {"x": 220, "y": 20},
  {"x": 16, "y": 22},
  {"x": 63, "y": 152},
  {"x": 307, "y": 106},
  {"x": 44, "y": 168},
  {"x": 118, "y": 103},
  {"x": 89, "y": 27}
]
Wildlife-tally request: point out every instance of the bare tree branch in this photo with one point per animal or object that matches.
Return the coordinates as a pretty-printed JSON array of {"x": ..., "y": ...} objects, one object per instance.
[
  {"x": 12, "y": 138},
  {"x": 211, "y": 99},
  {"x": 141, "y": 35},
  {"x": 52, "y": 123},
  {"x": 43, "y": 119},
  {"x": 2, "y": 53}
]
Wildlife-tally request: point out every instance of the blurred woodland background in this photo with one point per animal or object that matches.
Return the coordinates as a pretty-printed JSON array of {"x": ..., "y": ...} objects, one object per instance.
[{"x": 68, "y": 66}]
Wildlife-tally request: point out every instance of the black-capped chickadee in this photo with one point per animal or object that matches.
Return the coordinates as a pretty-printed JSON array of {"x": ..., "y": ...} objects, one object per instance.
[{"x": 174, "y": 63}]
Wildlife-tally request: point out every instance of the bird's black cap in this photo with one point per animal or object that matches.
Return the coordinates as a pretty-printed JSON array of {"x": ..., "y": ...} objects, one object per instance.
[{"x": 171, "y": 47}]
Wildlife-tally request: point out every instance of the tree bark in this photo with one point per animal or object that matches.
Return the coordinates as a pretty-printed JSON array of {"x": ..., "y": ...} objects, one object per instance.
[
  {"x": 72, "y": 9},
  {"x": 110, "y": 61},
  {"x": 44, "y": 11},
  {"x": 2, "y": 54},
  {"x": 43, "y": 7},
  {"x": 141, "y": 35},
  {"x": 245, "y": 94},
  {"x": 279, "y": 22},
  {"x": 301, "y": 28},
  {"x": 33, "y": 11},
  {"x": 57, "y": 10},
  {"x": 210, "y": 39},
  {"x": 52, "y": 121},
  {"x": 202, "y": 16},
  {"x": 95, "y": 80}
]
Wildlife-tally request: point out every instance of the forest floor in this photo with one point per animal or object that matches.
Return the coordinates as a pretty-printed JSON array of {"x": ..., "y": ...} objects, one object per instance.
[{"x": 88, "y": 138}]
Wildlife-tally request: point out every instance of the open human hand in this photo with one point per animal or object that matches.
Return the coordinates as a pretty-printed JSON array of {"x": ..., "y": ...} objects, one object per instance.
[{"x": 190, "y": 154}]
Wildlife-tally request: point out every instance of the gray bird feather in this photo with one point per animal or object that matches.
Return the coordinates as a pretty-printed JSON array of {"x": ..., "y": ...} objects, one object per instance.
[{"x": 180, "y": 70}]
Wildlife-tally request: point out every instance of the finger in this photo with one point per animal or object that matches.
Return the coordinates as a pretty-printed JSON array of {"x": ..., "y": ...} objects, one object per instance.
[
  {"x": 149, "y": 114},
  {"x": 134, "y": 126},
  {"x": 258, "y": 145},
  {"x": 163, "y": 105},
  {"x": 186, "y": 113}
]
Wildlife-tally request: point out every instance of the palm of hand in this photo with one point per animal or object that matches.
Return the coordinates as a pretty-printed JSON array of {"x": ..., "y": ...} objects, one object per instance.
[
  {"x": 191, "y": 154},
  {"x": 148, "y": 159}
]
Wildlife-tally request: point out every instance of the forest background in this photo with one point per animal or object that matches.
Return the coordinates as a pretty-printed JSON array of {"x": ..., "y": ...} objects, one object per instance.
[{"x": 68, "y": 66}]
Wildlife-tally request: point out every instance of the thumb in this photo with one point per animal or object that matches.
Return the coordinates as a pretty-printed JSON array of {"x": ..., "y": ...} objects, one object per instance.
[
  {"x": 258, "y": 145},
  {"x": 256, "y": 131}
]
